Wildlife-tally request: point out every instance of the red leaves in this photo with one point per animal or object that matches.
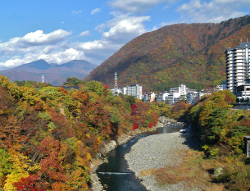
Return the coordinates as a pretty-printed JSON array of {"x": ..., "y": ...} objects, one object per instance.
[
  {"x": 30, "y": 183},
  {"x": 64, "y": 91},
  {"x": 135, "y": 127},
  {"x": 81, "y": 96},
  {"x": 58, "y": 118},
  {"x": 48, "y": 145},
  {"x": 133, "y": 109},
  {"x": 105, "y": 86},
  {"x": 106, "y": 89},
  {"x": 142, "y": 116},
  {"x": 51, "y": 164}
]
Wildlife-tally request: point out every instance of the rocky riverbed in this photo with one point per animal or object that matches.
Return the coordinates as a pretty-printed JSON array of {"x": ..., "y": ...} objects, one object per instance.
[
  {"x": 96, "y": 186},
  {"x": 157, "y": 151}
]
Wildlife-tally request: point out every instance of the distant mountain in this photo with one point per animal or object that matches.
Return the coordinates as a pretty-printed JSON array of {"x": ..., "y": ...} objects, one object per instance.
[
  {"x": 39, "y": 65},
  {"x": 53, "y": 73},
  {"x": 193, "y": 54}
]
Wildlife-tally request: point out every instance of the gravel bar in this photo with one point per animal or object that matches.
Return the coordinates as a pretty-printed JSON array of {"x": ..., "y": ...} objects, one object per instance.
[{"x": 157, "y": 151}]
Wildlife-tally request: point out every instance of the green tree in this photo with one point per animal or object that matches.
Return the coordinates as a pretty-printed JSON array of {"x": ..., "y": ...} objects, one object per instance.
[
  {"x": 217, "y": 124},
  {"x": 73, "y": 81},
  {"x": 130, "y": 99}
]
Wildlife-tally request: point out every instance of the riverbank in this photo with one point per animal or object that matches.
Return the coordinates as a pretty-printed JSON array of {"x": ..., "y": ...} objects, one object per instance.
[
  {"x": 170, "y": 162},
  {"x": 123, "y": 138},
  {"x": 154, "y": 152}
]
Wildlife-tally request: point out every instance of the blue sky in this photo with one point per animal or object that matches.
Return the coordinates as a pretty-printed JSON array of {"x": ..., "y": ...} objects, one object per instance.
[{"x": 59, "y": 31}]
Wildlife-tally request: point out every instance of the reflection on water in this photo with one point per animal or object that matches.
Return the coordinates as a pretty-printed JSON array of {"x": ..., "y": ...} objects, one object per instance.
[
  {"x": 169, "y": 129},
  {"x": 115, "y": 175}
]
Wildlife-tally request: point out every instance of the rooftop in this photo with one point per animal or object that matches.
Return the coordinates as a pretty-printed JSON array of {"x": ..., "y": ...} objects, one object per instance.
[{"x": 244, "y": 45}]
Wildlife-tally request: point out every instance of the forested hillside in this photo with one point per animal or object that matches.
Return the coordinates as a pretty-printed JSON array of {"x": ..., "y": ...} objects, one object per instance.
[
  {"x": 49, "y": 135},
  {"x": 193, "y": 54}
]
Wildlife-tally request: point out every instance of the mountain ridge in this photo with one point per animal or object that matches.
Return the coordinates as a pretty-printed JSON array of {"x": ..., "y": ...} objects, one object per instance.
[
  {"x": 54, "y": 73},
  {"x": 181, "y": 53}
]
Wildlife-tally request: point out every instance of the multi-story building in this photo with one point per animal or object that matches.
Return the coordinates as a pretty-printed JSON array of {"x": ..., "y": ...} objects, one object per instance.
[
  {"x": 134, "y": 90},
  {"x": 192, "y": 97},
  {"x": 237, "y": 68},
  {"x": 181, "y": 89},
  {"x": 162, "y": 97}
]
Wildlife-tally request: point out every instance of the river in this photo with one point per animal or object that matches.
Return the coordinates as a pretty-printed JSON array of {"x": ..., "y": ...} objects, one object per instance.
[{"x": 115, "y": 175}]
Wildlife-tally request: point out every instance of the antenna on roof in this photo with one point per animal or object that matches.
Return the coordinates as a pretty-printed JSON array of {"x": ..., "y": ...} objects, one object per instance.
[
  {"x": 247, "y": 39},
  {"x": 240, "y": 40}
]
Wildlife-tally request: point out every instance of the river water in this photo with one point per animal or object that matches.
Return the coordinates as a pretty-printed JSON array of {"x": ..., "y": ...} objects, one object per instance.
[{"x": 115, "y": 175}]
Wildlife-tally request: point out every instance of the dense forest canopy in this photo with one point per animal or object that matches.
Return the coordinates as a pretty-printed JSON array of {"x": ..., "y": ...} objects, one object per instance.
[
  {"x": 49, "y": 135},
  {"x": 193, "y": 54}
]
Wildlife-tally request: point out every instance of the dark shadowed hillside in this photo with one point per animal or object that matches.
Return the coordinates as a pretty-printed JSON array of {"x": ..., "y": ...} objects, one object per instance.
[{"x": 182, "y": 53}]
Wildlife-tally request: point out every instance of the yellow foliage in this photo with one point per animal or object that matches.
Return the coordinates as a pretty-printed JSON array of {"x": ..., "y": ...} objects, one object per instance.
[
  {"x": 34, "y": 168},
  {"x": 88, "y": 156},
  {"x": 18, "y": 170},
  {"x": 223, "y": 133},
  {"x": 98, "y": 140}
]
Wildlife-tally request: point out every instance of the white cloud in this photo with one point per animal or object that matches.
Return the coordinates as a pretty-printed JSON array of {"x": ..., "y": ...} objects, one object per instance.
[
  {"x": 52, "y": 54},
  {"x": 97, "y": 10},
  {"x": 55, "y": 48},
  {"x": 20, "y": 50},
  {"x": 135, "y": 6},
  {"x": 125, "y": 27},
  {"x": 76, "y": 12},
  {"x": 154, "y": 28},
  {"x": 122, "y": 29},
  {"x": 85, "y": 33},
  {"x": 31, "y": 40},
  {"x": 212, "y": 11},
  {"x": 63, "y": 56}
]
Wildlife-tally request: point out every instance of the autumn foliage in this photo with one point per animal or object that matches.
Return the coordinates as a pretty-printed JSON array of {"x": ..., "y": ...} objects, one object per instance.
[
  {"x": 193, "y": 54},
  {"x": 49, "y": 135}
]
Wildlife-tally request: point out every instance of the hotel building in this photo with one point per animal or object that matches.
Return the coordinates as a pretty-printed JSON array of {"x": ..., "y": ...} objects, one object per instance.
[{"x": 237, "y": 70}]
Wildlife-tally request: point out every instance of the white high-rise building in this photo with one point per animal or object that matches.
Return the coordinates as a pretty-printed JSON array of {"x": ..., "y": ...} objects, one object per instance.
[
  {"x": 237, "y": 68},
  {"x": 134, "y": 90},
  {"x": 182, "y": 89}
]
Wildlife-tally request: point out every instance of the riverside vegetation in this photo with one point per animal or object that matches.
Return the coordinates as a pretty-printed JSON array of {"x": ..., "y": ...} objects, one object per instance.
[
  {"x": 50, "y": 135},
  {"x": 220, "y": 131}
]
